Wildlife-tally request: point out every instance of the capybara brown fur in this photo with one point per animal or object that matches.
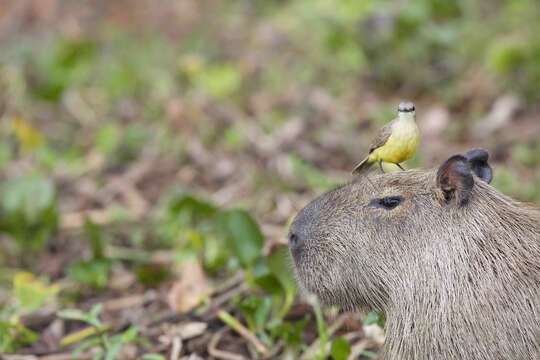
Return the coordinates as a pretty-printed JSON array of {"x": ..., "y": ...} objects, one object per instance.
[{"x": 453, "y": 263}]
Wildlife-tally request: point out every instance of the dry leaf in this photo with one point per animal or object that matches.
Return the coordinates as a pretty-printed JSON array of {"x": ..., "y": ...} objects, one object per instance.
[
  {"x": 375, "y": 333},
  {"x": 502, "y": 113},
  {"x": 28, "y": 136},
  {"x": 191, "y": 330},
  {"x": 190, "y": 290},
  {"x": 434, "y": 122}
]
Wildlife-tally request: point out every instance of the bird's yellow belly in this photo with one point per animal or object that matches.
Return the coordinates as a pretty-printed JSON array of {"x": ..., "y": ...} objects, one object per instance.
[{"x": 401, "y": 146}]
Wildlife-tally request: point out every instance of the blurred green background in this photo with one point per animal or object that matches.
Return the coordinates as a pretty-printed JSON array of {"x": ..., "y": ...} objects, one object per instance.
[{"x": 141, "y": 141}]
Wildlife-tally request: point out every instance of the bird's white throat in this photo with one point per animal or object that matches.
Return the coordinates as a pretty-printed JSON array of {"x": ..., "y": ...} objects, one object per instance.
[{"x": 410, "y": 116}]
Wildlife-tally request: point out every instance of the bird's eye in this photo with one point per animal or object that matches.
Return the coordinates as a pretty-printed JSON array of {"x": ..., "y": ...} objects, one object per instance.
[{"x": 388, "y": 203}]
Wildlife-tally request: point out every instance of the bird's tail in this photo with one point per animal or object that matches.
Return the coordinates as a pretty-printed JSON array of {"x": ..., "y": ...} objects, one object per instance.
[{"x": 364, "y": 164}]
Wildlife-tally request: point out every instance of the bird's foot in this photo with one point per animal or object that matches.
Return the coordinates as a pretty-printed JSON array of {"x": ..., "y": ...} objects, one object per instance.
[{"x": 399, "y": 166}]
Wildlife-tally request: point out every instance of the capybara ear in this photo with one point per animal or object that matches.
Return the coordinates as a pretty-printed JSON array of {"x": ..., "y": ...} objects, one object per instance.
[
  {"x": 455, "y": 179},
  {"x": 478, "y": 159}
]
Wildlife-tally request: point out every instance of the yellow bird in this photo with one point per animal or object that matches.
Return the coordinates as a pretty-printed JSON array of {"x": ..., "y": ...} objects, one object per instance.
[{"x": 396, "y": 141}]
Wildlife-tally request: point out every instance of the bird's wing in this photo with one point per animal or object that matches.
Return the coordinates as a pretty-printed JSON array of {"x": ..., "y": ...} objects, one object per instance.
[{"x": 382, "y": 137}]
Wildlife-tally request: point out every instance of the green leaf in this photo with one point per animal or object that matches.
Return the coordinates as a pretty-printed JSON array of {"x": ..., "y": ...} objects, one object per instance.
[
  {"x": 281, "y": 267},
  {"x": 96, "y": 310},
  {"x": 85, "y": 345},
  {"x": 31, "y": 293},
  {"x": 153, "y": 357},
  {"x": 290, "y": 332},
  {"x": 108, "y": 138},
  {"x": 215, "y": 254},
  {"x": 341, "y": 349},
  {"x": 506, "y": 56},
  {"x": 263, "y": 277},
  {"x": 73, "y": 314},
  {"x": 152, "y": 274},
  {"x": 220, "y": 81},
  {"x": 29, "y": 211},
  {"x": 196, "y": 208},
  {"x": 94, "y": 273},
  {"x": 112, "y": 350},
  {"x": 256, "y": 311},
  {"x": 243, "y": 234},
  {"x": 129, "y": 335},
  {"x": 116, "y": 342},
  {"x": 91, "y": 317},
  {"x": 6, "y": 153},
  {"x": 13, "y": 334},
  {"x": 321, "y": 325},
  {"x": 95, "y": 236},
  {"x": 66, "y": 62},
  {"x": 374, "y": 317}
]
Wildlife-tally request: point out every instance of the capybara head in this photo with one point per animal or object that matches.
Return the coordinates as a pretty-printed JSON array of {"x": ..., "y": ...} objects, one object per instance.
[{"x": 441, "y": 252}]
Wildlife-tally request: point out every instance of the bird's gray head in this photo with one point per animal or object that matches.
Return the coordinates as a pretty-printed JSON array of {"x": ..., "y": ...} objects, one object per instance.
[{"x": 406, "y": 107}]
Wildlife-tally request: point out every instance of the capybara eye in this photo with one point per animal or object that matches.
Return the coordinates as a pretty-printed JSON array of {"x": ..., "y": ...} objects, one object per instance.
[{"x": 388, "y": 203}]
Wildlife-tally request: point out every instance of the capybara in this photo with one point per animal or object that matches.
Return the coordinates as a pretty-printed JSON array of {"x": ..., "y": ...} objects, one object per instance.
[{"x": 452, "y": 263}]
